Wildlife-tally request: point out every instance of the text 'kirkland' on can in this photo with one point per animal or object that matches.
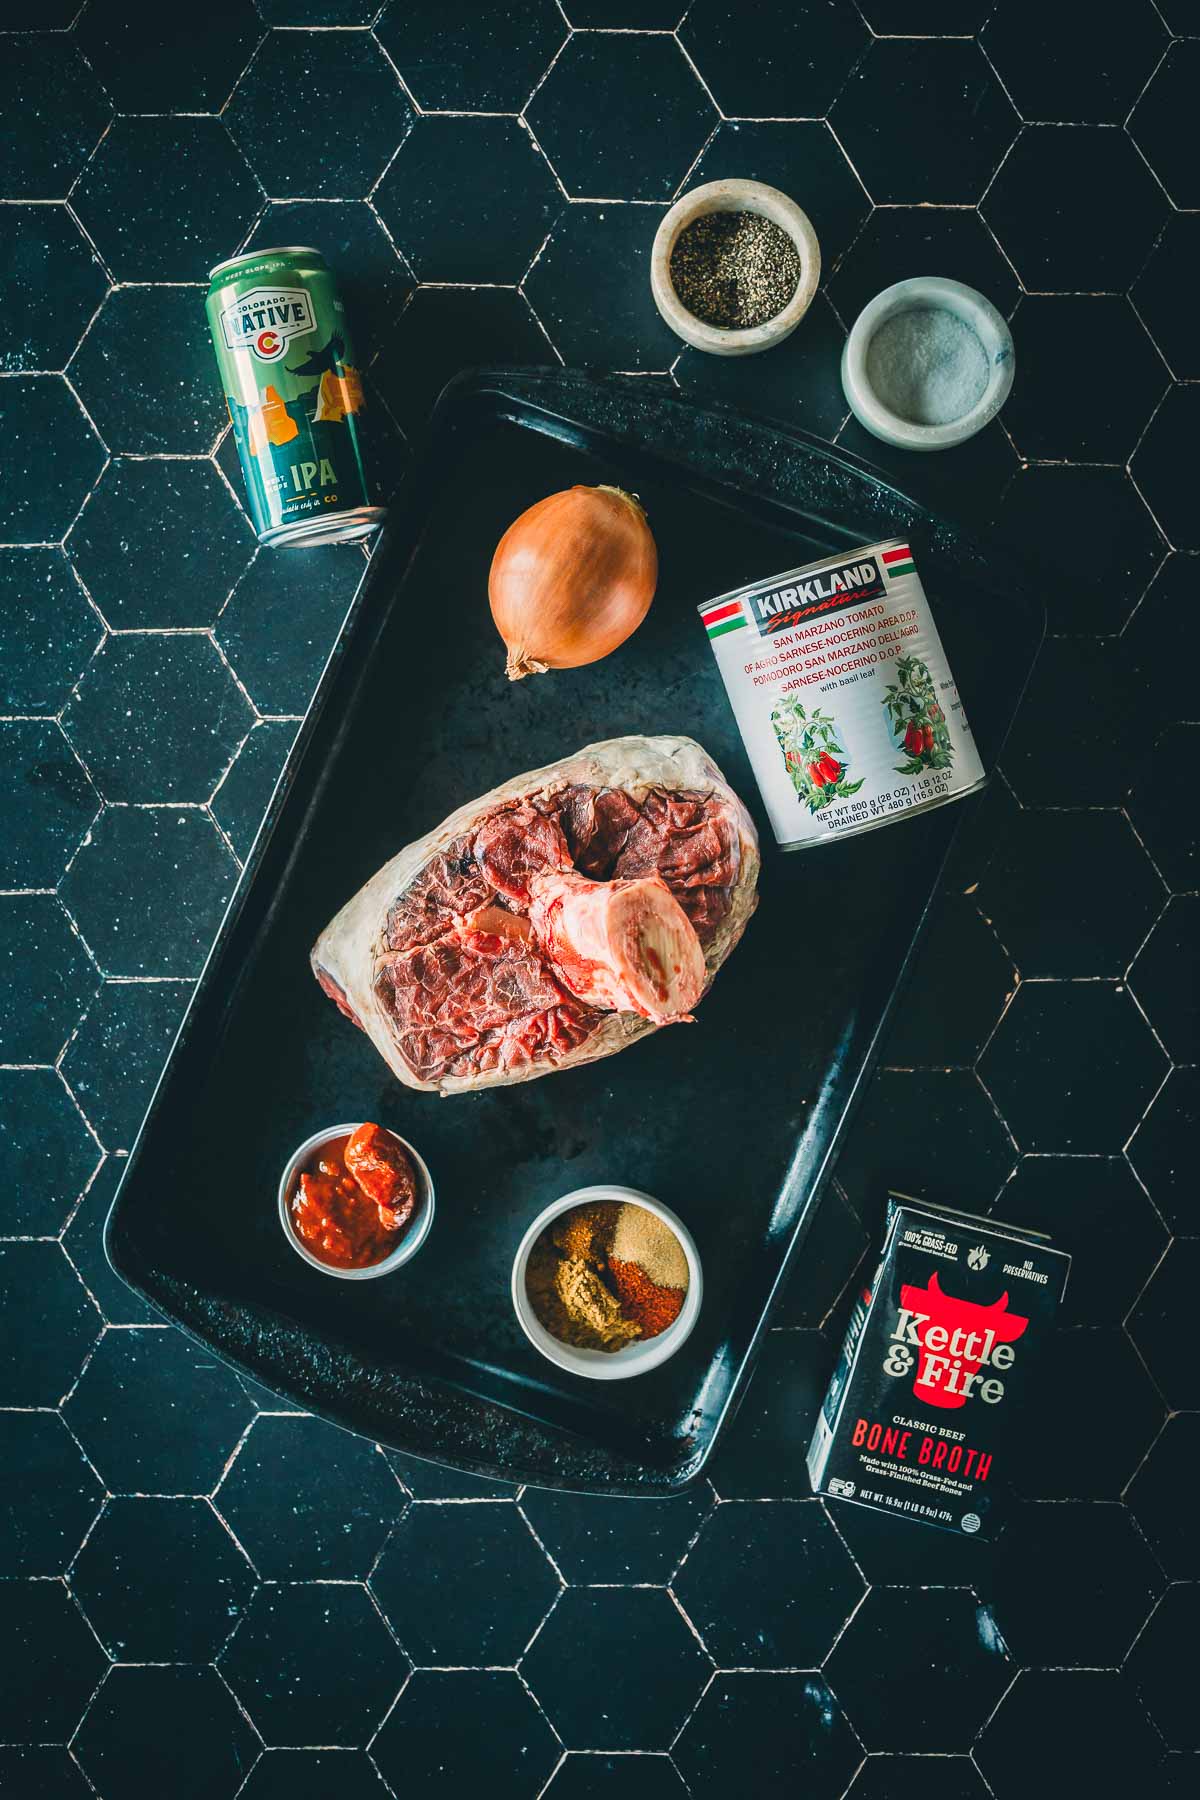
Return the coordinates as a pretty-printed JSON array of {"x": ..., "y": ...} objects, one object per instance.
[
  {"x": 843, "y": 695},
  {"x": 294, "y": 392}
]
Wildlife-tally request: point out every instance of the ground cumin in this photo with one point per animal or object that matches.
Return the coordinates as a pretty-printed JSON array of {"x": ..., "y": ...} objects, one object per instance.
[{"x": 604, "y": 1275}]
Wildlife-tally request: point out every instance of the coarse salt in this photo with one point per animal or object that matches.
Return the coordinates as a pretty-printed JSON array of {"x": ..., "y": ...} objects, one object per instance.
[{"x": 927, "y": 366}]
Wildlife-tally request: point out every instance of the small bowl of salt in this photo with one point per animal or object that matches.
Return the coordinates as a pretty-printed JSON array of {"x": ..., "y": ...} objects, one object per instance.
[{"x": 928, "y": 363}]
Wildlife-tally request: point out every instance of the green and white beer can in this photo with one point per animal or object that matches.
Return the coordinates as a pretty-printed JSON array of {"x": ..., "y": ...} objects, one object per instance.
[{"x": 293, "y": 386}]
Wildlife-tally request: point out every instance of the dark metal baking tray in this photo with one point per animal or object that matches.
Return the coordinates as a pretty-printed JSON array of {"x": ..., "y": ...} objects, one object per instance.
[{"x": 732, "y": 1121}]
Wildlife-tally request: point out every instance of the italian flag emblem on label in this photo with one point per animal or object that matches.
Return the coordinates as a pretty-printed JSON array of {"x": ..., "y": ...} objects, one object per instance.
[
  {"x": 720, "y": 619},
  {"x": 899, "y": 561}
]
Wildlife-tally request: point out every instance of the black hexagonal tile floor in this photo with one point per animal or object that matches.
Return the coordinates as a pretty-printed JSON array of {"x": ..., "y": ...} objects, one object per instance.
[
  {"x": 43, "y": 1772},
  {"x": 590, "y": 287},
  {"x": 586, "y": 116},
  {"x": 958, "y": 988},
  {"x": 157, "y": 1414},
  {"x": 587, "y": 1775},
  {"x": 1161, "y": 1148},
  {"x": 891, "y": 1553},
  {"x": 508, "y": 1749},
  {"x": 769, "y": 1585},
  {"x": 160, "y": 543},
  {"x": 791, "y": 65},
  {"x": 1160, "y": 296},
  {"x": 83, "y": 1241},
  {"x": 953, "y": 241},
  {"x": 1164, "y": 977},
  {"x": 63, "y": 116},
  {"x": 924, "y": 1131},
  {"x": 969, "y": 485},
  {"x": 1163, "y": 685},
  {"x": 1047, "y": 510},
  {"x": 925, "y": 18},
  {"x": 1079, "y": 684},
  {"x": 1085, "y": 1729},
  {"x": 789, "y": 1722},
  {"x": 47, "y": 630},
  {"x": 372, "y": 278},
  {"x": 157, "y": 716},
  {"x": 1071, "y": 63},
  {"x": 1172, "y": 1468},
  {"x": 917, "y": 1778},
  {"x": 1160, "y": 1324},
  {"x": 762, "y": 1449},
  {"x": 1094, "y": 1208},
  {"x": 188, "y": 63},
  {"x": 339, "y": 75},
  {"x": 1159, "y": 127},
  {"x": 597, "y": 1540},
  {"x": 432, "y": 1481},
  {"x": 49, "y": 1663},
  {"x": 1156, "y": 465},
  {"x": 46, "y": 802},
  {"x": 798, "y": 382},
  {"x": 1073, "y": 1585},
  {"x": 278, "y": 632},
  {"x": 442, "y": 331},
  {"x": 493, "y": 67},
  {"x": 1056, "y": 409},
  {"x": 161, "y": 1580},
  {"x": 313, "y": 1663},
  {"x": 309, "y": 1501},
  {"x": 47, "y": 1152},
  {"x": 1075, "y": 1440},
  {"x": 314, "y": 1775},
  {"x": 48, "y": 978},
  {"x": 57, "y": 451},
  {"x": 43, "y": 251},
  {"x": 170, "y": 1731},
  {"x": 1160, "y": 808},
  {"x": 953, "y": 1670},
  {"x": 924, "y": 122},
  {"x": 45, "y": 1513},
  {"x": 242, "y": 798},
  {"x": 168, "y": 400},
  {"x": 802, "y": 157},
  {"x": 1160, "y": 1666},
  {"x": 646, "y": 1670},
  {"x": 1072, "y": 1066},
  {"x": 148, "y": 889}
]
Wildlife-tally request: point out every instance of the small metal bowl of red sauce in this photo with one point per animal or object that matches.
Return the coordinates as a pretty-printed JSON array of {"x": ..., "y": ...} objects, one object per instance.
[{"x": 356, "y": 1201}]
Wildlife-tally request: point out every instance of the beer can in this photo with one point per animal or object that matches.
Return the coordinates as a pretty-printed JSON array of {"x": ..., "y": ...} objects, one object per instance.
[
  {"x": 293, "y": 386},
  {"x": 843, "y": 695}
]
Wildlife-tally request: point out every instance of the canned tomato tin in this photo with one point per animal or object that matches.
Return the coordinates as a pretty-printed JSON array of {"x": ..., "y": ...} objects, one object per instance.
[
  {"x": 294, "y": 391},
  {"x": 843, "y": 695}
]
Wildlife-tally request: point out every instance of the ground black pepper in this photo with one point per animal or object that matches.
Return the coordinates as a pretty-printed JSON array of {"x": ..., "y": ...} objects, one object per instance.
[{"x": 734, "y": 269}]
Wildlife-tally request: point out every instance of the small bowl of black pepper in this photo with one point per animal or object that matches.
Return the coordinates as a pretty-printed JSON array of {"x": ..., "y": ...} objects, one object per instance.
[{"x": 735, "y": 266}]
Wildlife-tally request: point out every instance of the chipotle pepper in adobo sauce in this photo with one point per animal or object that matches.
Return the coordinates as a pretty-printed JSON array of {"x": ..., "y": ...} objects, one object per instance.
[{"x": 355, "y": 1199}]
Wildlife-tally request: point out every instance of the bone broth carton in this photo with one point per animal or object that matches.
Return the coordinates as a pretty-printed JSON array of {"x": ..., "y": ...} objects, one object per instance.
[{"x": 939, "y": 1360}]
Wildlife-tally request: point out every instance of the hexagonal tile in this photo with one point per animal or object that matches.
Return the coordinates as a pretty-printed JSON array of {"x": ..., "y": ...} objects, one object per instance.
[
  {"x": 63, "y": 116},
  {"x": 586, "y": 114},
  {"x": 924, "y": 18},
  {"x": 307, "y": 1500},
  {"x": 59, "y": 455},
  {"x": 434, "y": 1481},
  {"x": 160, "y": 543},
  {"x": 423, "y": 1748},
  {"x": 1161, "y": 811},
  {"x": 800, "y": 154},
  {"x": 1094, "y": 1208},
  {"x": 602, "y": 252},
  {"x": 1161, "y": 1148},
  {"x": 468, "y": 199},
  {"x": 149, "y": 888},
  {"x": 954, "y": 241},
  {"x": 1075, "y": 1441},
  {"x": 1158, "y": 123},
  {"x": 1047, "y": 510},
  {"x": 924, "y": 1132},
  {"x": 769, "y": 1585},
  {"x": 492, "y": 66},
  {"x": 792, "y": 65},
  {"x": 1156, "y": 465},
  {"x": 593, "y": 1539},
  {"x": 44, "y": 252},
  {"x": 628, "y": 15},
  {"x": 161, "y": 1580},
  {"x": 48, "y": 978},
  {"x": 1072, "y": 1066},
  {"x": 83, "y": 1242},
  {"x": 372, "y": 278},
  {"x": 891, "y": 1554},
  {"x": 646, "y": 1669},
  {"x": 1077, "y": 687},
  {"x": 969, "y": 485},
  {"x": 314, "y": 1775},
  {"x": 241, "y": 801},
  {"x": 1161, "y": 1673},
  {"x": 953, "y": 1671},
  {"x": 1162, "y": 685},
  {"x": 1160, "y": 1324},
  {"x": 1160, "y": 299},
  {"x": 47, "y": 1152},
  {"x": 440, "y": 332},
  {"x": 762, "y": 1449},
  {"x": 1070, "y": 63},
  {"x": 163, "y": 198},
  {"x": 958, "y": 988},
  {"x": 47, "y": 630},
  {"x": 277, "y": 632},
  {"x": 42, "y": 1770},
  {"x": 589, "y": 1776},
  {"x": 924, "y": 121},
  {"x": 791, "y": 1721},
  {"x": 169, "y": 399},
  {"x": 1071, "y": 893},
  {"x": 44, "y": 1515},
  {"x": 1172, "y": 1468},
  {"x": 134, "y": 1730},
  {"x": 1089, "y": 1730},
  {"x": 46, "y": 802},
  {"x": 1055, "y": 409},
  {"x": 1164, "y": 977},
  {"x": 464, "y": 1584},
  {"x": 157, "y": 1414},
  {"x": 799, "y": 383},
  {"x": 340, "y": 75},
  {"x": 188, "y": 64},
  {"x": 917, "y": 1778},
  {"x": 49, "y": 1663},
  {"x": 1074, "y": 1584}
]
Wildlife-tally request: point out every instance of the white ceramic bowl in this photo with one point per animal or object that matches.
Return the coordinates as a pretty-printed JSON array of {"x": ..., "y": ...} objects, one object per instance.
[
  {"x": 924, "y": 291},
  {"x": 734, "y": 196},
  {"x": 412, "y": 1239},
  {"x": 636, "y": 1358}
]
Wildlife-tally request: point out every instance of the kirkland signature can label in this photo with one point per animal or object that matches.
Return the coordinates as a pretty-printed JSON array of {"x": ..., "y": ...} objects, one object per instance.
[{"x": 843, "y": 695}]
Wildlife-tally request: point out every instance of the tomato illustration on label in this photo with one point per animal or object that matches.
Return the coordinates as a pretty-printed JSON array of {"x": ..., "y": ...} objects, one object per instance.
[
  {"x": 917, "y": 719},
  {"x": 812, "y": 754}
]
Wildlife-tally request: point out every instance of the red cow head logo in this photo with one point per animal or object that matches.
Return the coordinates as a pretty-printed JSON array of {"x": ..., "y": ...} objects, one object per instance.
[{"x": 965, "y": 1339}]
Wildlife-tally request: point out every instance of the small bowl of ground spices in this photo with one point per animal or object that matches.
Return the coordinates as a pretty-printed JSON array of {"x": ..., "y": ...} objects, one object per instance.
[
  {"x": 356, "y": 1201},
  {"x": 734, "y": 267},
  {"x": 607, "y": 1283}
]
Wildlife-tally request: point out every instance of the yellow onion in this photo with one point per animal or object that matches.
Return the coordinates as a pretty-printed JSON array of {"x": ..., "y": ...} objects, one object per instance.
[{"x": 571, "y": 579}]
